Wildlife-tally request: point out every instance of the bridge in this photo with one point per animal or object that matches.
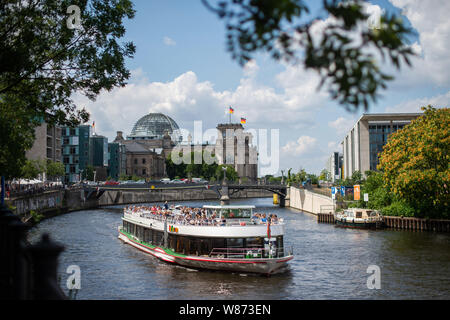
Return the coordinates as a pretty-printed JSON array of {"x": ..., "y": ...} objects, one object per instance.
[{"x": 224, "y": 191}]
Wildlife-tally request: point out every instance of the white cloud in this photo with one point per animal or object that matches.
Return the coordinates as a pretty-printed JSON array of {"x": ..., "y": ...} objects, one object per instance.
[
  {"x": 430, "y": 19},
  {"x": 303, "y": 145},
  {"x": 414, "y": 105},
  {"x": 186, "y": 99},
  {"x": 334, "y": 146},
  {"x": 342, "y": 125},
  {"x": 168, "y": 41}
]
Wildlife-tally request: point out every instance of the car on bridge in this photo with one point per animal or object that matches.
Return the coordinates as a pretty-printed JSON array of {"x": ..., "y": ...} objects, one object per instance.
[
  {"x": 178, "y": 181},
  {"x": 111, "y": 183}
]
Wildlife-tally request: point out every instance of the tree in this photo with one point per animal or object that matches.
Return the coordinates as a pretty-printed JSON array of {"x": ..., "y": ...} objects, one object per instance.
[
  {"x": 342, "y": 54},
  {"x": 325, "y": 175},
  {"x": 31, "y": 169},
  {"x": 44, "y": 61},
  {"x": 230, "y": 172},
  {"x": 16, "y": 136},
  {"x": 357, "y": 177},
  {"x": 89, "y": 172},
  {"x": 314, "y": 179},
  {"x": 55, "y": 169},
  {"x": 415, "y": 163}
]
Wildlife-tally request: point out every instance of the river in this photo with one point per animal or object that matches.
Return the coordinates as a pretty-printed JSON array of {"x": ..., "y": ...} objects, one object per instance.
[{"x": 329, "y": 262}]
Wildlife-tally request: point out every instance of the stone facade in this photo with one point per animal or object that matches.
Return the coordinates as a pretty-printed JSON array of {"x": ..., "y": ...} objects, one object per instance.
[
  {"x": 363, "y": 143},
  {"x": 47, "y": 144}
]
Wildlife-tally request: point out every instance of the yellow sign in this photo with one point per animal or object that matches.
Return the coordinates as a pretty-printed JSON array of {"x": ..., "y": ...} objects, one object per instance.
[
  {"x": 152, "y": 187},
  {"x": 356, "y": 192}
]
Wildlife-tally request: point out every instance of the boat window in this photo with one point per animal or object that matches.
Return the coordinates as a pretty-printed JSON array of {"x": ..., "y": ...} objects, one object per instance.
[
  {"x": 218, "y": 243},
  {"x": 235, "y": 243},
  {"x": 254, "y": 242},
  {"x": 350, "y": 214},
  {"x": 358, "y": 214},
  {"x": 157, "y": 237}
]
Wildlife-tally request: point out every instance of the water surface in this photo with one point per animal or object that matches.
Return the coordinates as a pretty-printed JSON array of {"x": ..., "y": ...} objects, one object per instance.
[{"x": 329, "y": 262}]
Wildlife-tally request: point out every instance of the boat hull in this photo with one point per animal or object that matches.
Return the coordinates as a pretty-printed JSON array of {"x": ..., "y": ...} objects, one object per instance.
[
  {"x": 358, "y": 225},
  {"x": 265, "y": 266}
]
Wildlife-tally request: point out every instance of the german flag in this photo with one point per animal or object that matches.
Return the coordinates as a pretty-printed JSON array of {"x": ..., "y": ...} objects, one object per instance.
[
  {"x": 230, "y": 110},
  {"x": 243, "y": 120}
]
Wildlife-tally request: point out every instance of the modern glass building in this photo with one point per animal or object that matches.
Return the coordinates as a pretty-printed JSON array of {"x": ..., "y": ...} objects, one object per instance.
[
  {"x": 98, "y": 151},
  {"x": 75, "y": 151},
  {"x": 117, "y": 161},
  {"x": 363, "y": 144}
]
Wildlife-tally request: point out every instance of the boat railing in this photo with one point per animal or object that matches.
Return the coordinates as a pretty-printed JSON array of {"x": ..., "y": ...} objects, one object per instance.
[
  {"x": 247, "y": 253},
  {"x": 200, "y": 222}
]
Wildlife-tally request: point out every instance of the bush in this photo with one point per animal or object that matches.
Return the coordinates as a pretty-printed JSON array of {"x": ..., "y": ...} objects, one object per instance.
[
  {"x": 398, "y": 208},
  {"x": 36, "y": 216}
]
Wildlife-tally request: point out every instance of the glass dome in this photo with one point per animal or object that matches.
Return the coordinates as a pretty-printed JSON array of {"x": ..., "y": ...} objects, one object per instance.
[{"x": 153, "y": 126}]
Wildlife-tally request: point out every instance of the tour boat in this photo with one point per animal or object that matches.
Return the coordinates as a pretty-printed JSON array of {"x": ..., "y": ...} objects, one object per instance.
[
  {"x": 227, "y": 237},
  {"x": 359, "y": 218}
]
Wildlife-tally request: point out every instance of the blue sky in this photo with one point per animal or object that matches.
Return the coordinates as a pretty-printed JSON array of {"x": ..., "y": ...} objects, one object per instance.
[{"x": 181, "y": 68}]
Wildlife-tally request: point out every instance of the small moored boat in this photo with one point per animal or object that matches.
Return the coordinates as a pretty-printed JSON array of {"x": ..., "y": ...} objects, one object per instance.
[{"x": 359, "y": 218}]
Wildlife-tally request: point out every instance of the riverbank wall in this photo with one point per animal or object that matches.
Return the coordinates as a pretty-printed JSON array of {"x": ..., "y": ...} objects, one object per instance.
[
  {"x": 309, "y": 201},
  {"x": 401, "y": 223}
]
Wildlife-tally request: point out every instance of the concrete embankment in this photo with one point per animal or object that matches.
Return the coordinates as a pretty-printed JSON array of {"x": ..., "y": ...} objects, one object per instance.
[{"x": 308, "y": 201}]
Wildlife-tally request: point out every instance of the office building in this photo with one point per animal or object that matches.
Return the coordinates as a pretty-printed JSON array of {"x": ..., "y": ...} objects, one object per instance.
[
  {"x": 334, "y": 166},
  {"x": 363, "y": 144},
  {"x": 75, "y": 152}
]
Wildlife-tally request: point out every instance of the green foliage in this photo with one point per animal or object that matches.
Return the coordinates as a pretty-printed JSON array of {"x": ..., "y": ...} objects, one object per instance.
[
  {"x": 339, "y": 53},
  {"x": 356, "y": 177},
  {"x": 325, "y": 175},
  {"x": 415, "y": 163},
  {"x": 36, "y": 216},
  {"x": 230, "y": 172},
  {"x": 399, "y": 208},
  {"x": 314, "y": 178},
  {"x": 43, "y": 63},
  {"x": 16, "y": 136},
  {"x": 193, "y": 170},
  {"x": 32, "y": 168},
  {"x": 173, "y": 170},
  {"x": 55, "y": 169},
  {"x": 88, "y": 173}
]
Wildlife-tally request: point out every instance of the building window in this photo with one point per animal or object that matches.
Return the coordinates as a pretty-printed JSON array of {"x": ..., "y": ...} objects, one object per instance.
[
  {"x": 135, "y": 161},
  {"x": 143, "y": 160},
  {"x": 144, "y": 172}
]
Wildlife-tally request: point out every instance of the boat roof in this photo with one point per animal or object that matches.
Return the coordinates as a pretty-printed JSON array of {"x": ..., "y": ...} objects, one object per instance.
[{"x": 229, "y": 207}]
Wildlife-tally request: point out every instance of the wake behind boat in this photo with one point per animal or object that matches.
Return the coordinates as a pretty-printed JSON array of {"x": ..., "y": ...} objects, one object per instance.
[{"x": 228, "y": 238}]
